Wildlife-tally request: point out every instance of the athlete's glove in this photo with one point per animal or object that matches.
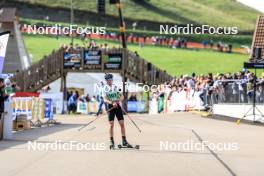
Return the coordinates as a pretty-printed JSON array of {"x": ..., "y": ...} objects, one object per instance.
[{"x": 115, "y": 104}]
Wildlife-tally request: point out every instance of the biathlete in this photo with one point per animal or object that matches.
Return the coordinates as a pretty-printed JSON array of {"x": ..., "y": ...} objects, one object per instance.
[{"x": 112, "y": 97}]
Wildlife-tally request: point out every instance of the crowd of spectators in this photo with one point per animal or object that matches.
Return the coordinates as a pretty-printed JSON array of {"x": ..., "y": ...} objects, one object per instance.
[
  {"x": 212, "y": 89},
  {"x": 142, "y": 40},
  {"x": 73, "y": 97},
  {"x": 219, "y": 46},
  {"x": 88, "y": 45}
]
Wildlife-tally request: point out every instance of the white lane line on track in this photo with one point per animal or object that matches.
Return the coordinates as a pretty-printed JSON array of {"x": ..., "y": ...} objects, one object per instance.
[{"x": 198, "y": 137}]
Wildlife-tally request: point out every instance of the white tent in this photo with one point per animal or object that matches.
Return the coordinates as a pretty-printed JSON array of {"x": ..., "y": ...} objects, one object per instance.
[{"x": 88, "y": 81}]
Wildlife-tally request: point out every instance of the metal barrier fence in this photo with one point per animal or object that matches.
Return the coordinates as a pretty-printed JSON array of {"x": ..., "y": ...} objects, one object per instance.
[{"x": 233, "y": 91}]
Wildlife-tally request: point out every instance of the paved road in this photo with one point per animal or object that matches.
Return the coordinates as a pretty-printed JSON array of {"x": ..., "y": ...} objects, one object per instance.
[{"x": 245, "y": 158}]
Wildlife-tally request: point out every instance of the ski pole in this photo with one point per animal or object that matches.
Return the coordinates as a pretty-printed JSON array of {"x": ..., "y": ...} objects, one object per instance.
[
  {"x": 130, "y": 119},
  {"x": 94, "y": 119}
]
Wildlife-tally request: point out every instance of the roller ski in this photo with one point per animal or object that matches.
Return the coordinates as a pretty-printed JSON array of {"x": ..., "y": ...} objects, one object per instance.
[
  {"x": 137, "y": 147},
  {"x": 126, "y": 145}
]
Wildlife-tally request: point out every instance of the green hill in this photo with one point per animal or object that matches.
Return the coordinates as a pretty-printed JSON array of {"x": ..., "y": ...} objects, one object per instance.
[
  {"x": 174, "y": 61},
  {"x": 212, "y": 12}
]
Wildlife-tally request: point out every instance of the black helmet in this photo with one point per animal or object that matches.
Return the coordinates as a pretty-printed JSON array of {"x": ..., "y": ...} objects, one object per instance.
[{"x": 108, "y": 76}]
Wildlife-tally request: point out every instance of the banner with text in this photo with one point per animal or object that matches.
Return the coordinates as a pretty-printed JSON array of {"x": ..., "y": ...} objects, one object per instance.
[{"x": 3, "y": 45}]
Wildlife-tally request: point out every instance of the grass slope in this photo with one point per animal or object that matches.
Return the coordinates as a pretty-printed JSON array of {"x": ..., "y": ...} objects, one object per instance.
[
  {"x": 236, "y": 40},
  {"x": 212, "y": 12},
  {"x": 175, "y": 61}
]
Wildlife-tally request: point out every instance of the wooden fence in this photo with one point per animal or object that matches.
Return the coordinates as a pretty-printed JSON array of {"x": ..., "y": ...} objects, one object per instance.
[{"x": 122, "y": 61}]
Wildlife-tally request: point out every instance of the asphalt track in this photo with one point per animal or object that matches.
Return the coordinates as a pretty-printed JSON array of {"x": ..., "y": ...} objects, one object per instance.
[{"x": 151, "y": 159}]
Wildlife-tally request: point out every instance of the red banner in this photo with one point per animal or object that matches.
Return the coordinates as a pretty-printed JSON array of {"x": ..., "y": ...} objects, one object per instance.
[{"x": 26, "y": 94}]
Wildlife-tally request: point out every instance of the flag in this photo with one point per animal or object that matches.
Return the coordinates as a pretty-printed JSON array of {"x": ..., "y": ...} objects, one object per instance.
[{"x": 3, "y": 45}]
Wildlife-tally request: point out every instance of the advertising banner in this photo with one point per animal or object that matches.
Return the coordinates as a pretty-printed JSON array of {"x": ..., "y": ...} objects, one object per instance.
[
  {"x": 113, "y": 61},
  {"x": 71, "y": 60},
  {"x": 3, "y": 45},
  {"x": 48, "y": 108},
  {"x": 136, "y": 106},
  {"x": 92, "y": 59}
]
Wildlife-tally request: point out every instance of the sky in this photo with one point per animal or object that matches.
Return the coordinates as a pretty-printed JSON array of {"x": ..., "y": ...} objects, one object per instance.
[{"x": 257, "y": 4}]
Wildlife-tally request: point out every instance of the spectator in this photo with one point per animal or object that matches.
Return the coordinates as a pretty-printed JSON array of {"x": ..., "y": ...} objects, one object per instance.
[
  {"x": 69, "y": 94},
  {"x": 3, "y": 97},
  {"x": 133, "y": 97},
  {"x": 93, "y": 99},
  {"x": 88, "y": 99},
  {"x": 72, "y": 103},
  {"x": 77, "y": 94},
  {"x": 100, "y": 98}
]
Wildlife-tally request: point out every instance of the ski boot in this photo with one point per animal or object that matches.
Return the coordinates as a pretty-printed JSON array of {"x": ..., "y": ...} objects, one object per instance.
[
  {"x": 125, "y": 144},
  {"x": 112, "y": 144}
]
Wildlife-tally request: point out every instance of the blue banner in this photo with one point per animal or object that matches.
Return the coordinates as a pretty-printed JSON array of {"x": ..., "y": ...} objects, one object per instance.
[
  {"x": 48, "y": 112},
  {"x": 136, "y": 106}
]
